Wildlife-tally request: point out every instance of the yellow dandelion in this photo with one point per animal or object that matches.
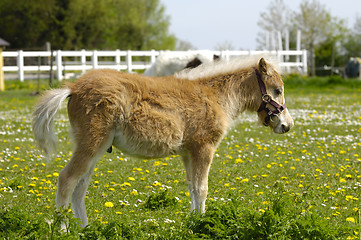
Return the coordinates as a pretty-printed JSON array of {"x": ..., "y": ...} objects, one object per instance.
[
  {"x": 350, "y": 219},
  {"x": 131, "y": 179},
  {"x": 156, "y": 183},
  {"x": 245, "y": 180},
  {"x": 349, "y": 197},
  {"x": 157, "y": 163},
  {"x": 238, "y": 160},
  {"x": 109, "y": 204}
]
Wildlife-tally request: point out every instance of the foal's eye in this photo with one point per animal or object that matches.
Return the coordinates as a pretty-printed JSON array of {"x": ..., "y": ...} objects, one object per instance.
[{"x": 278, "y": 91}]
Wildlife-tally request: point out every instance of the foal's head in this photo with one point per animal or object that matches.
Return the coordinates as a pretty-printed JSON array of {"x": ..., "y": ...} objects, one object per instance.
[{"x": 272, "y": 111}]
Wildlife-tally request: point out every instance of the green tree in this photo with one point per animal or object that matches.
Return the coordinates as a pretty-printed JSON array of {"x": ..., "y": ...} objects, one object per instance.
[
  {"x": 313, "y": 20},
  {"x": 275, "y": 19},
  {"x": 89, "y": 24},
  {"x": 25, "y": 22},
  {"x": 329, "y": 52},
  {"x": 352, "y": 43}
]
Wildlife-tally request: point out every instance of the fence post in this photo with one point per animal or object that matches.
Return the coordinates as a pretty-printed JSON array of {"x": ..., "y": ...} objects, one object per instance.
[
  {"x": 129, "y": 61},
  {"x": 20, "y": 61},
  {"x": 59, "y": 66},
  {"x": 152, "y": 56},
  {"x": 83, "y": 61},
  {"x": 2, "y": 83},
  {"x": 95, "y": 59},
  {"x": 117, "y": 59},
  {"x": 304, "y": 61}
]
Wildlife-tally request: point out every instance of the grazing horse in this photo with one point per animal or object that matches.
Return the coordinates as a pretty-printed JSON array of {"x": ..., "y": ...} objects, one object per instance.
[
  {"x": 150, "y": 117},
  {"x": 168, "y": 63}
]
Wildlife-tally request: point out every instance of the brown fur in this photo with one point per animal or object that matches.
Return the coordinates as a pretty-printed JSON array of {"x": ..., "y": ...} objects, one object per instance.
[{"x": 155, "y": 117}]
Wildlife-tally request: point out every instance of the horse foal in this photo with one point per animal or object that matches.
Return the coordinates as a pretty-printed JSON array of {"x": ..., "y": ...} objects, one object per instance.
[{"x": 186, "y": 114}]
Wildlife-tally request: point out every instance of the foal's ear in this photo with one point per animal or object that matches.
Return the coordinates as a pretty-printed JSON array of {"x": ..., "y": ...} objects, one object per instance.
[{"x": 263, "y": 66}]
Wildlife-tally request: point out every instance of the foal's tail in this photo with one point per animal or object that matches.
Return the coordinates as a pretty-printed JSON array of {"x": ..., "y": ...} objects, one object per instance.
[{"x": 43, "y": 126}]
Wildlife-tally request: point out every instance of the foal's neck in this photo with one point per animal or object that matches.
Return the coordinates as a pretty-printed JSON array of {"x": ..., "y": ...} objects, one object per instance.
[{"x": 235, "y": 91}]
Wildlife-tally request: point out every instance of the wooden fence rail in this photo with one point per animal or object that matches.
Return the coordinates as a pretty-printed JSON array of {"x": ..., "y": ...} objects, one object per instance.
[{"x": 66, "y": 62}]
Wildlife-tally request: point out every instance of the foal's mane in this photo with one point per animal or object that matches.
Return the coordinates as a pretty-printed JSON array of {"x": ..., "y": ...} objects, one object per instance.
[{"x": 223, "y": 66}]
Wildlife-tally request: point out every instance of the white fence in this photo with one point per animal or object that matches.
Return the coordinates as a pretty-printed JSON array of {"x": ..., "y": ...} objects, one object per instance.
[{"x": 69, "y": 62}]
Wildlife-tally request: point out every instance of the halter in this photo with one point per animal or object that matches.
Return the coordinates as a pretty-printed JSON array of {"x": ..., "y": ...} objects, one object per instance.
[{"x": 267, "y": 99}]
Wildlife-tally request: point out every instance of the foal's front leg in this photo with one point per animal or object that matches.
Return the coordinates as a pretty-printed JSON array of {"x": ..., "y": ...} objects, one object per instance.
[{"x": 201, "y": 159}]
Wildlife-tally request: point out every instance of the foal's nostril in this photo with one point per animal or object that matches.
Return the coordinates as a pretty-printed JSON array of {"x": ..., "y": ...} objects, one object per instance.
[{"x": 285, "y": 128}]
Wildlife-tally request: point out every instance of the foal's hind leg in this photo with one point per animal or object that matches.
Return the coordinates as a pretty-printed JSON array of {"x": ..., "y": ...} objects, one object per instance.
[
  {"x": 201, "y": 159},
  {"x": 78, "y": 197},
  {"x": 74, "y": 178}
]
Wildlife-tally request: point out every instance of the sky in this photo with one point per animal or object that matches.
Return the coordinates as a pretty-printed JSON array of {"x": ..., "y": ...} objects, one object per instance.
[{"x": 206, "y": 23}]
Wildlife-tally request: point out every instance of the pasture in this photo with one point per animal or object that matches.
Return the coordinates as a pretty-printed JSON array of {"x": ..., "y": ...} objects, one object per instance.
[{"x": 305, "y": 184}]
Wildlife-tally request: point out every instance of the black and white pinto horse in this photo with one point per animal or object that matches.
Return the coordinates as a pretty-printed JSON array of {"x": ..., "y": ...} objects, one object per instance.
[{"x": 169, "y": 63}]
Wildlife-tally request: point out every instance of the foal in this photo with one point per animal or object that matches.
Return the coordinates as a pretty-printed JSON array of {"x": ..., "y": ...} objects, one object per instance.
[{"x": 186, "y": 114}]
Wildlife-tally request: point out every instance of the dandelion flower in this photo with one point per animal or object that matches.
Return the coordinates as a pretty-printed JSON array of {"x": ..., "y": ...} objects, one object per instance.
[
  {"x": 109, "y": 204},
  {"x": 350, "y": 219}
]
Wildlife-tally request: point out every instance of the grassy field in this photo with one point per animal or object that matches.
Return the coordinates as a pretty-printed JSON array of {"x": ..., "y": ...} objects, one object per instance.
[{"x": 302, "y": 185}]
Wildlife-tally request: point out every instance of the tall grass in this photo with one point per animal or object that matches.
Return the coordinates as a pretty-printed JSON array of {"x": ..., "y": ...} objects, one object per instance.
[{"x": 301, "y": 185}]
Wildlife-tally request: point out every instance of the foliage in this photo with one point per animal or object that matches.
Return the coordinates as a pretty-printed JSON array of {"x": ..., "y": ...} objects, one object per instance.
[
  {"x": 301, "y": 185},
  {"x": 159, "y": 200},
  {"x": 276, "y": 18},
  {"x": 77, "y": 24},
  {"x": 296, "y": 81},
  {"x": 327, "y": 38}
]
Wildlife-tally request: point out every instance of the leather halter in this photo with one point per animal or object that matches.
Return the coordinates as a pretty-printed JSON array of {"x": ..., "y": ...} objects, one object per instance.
[{"x": 267, "y": 99}]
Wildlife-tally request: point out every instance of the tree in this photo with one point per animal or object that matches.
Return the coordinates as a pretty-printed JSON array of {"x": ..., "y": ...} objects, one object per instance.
[
  {"x": 226, "y": 45},
  {"x": 24, "y": 22},
  {"x": 90, "y": 24},
  {"x": 352, "y": 43},
  {"x": 183, "y": 45},
  {"x": 329, "y": 51},
  {"x": 275, "y": 19},
  {"x": 314, "y": 21}
]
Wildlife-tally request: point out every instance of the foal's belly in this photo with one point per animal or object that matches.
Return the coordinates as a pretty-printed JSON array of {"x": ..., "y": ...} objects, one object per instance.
[{"x": 147, "y": 145}]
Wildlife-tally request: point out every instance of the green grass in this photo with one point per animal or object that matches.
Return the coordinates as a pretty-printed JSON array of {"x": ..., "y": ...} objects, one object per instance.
[{"x": 302, "y": 185}]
